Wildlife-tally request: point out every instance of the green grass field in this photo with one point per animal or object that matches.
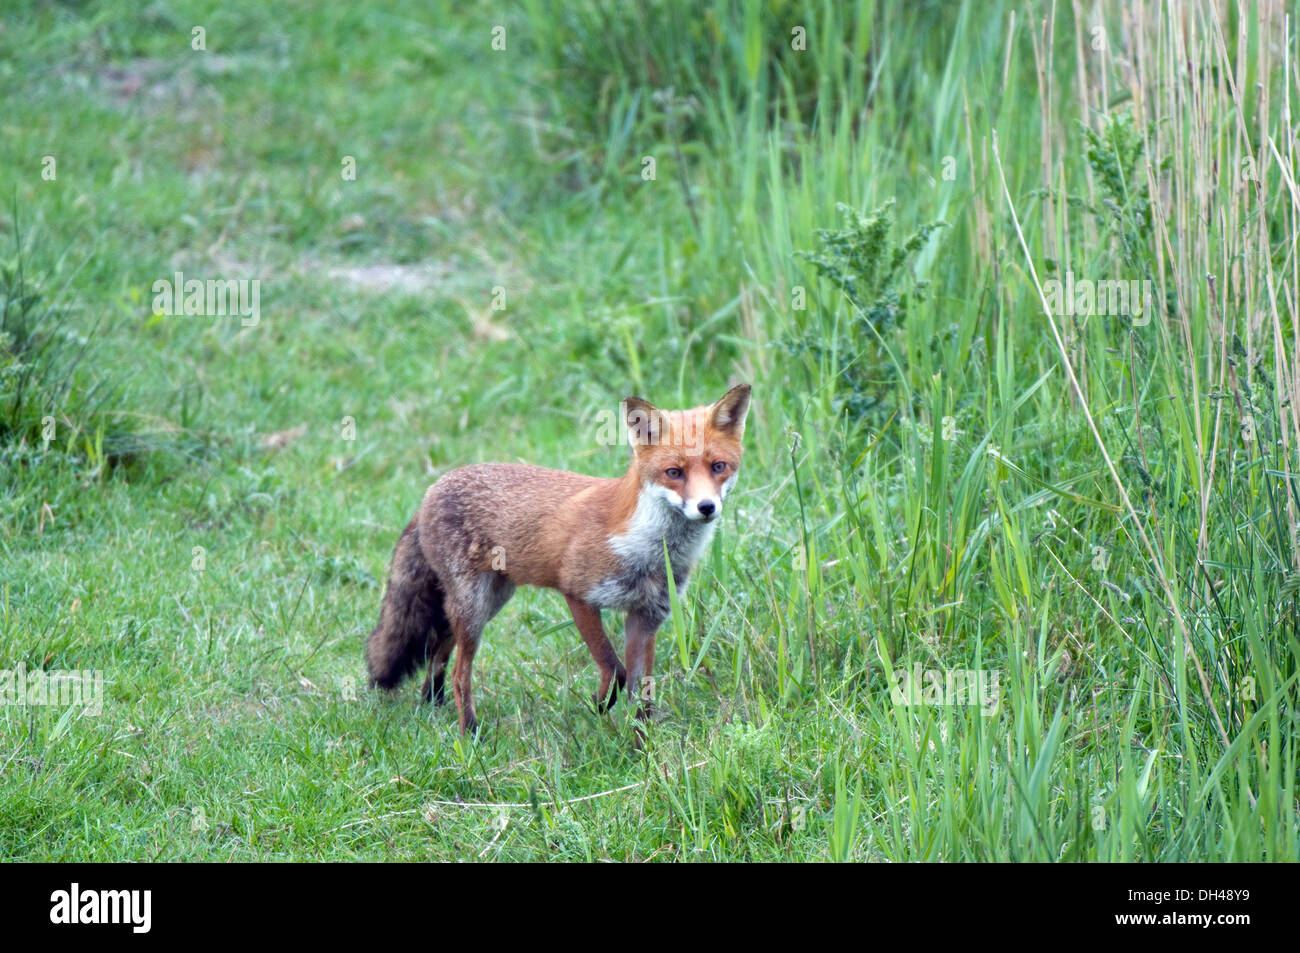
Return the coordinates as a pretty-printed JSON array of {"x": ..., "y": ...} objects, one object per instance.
[{"x": 468, "y": 253}]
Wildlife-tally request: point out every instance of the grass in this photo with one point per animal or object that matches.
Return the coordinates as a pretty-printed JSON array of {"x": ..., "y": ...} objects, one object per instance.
[{"x": 945, "y": 474}]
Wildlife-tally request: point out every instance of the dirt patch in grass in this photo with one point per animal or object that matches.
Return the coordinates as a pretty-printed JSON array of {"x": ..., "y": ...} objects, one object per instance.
[{"x": 155, "y": 85}]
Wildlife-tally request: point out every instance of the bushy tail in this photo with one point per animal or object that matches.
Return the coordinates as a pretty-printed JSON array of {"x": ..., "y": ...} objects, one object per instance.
[{"x": 412, "y": 612}]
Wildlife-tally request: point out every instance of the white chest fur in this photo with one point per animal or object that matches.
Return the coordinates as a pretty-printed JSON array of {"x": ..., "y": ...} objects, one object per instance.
[{"x": 658, "y": 522}]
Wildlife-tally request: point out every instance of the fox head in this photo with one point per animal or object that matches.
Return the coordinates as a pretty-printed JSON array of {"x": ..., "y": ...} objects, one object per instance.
[{"x": 689, "y": 458}]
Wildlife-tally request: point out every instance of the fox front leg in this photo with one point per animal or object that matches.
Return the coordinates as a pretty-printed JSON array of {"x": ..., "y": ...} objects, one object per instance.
[
  {"x": 587, "y": 618},
  {"x": 642, "y": 627}
]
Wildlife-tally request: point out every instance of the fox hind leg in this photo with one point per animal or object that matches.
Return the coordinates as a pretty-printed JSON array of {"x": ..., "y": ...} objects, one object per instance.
[
  {"x": 433, "y": 682},
  {"x": 472, "y": 601}
]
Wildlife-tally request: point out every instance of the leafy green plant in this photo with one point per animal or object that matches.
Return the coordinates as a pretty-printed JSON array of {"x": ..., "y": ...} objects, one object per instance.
[{"x": 867, "y": 265}]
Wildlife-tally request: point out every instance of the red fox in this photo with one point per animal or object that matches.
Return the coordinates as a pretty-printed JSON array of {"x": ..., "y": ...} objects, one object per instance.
[{"x": 482, "y": 530}]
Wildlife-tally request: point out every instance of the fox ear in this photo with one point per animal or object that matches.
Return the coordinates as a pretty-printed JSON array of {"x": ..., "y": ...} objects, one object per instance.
[
  {"x": 728, "y": 414},
  {"x": 643, "y": 421}
]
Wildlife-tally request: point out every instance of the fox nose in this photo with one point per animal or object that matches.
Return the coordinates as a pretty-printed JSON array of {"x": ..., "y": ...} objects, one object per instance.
[{"x": 706, "y": 508}]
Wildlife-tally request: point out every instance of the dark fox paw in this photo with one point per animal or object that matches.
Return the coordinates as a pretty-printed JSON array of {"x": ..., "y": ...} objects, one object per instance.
[{"x": 603, "y": 705}]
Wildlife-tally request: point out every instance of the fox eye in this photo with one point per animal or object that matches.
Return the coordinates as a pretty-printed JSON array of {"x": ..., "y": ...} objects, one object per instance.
[
  {"x": 719, "y": 466},
  {"x": 674, "y": 473}
]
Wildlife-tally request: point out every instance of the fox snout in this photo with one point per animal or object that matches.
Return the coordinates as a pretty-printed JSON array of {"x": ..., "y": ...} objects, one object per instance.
[{"x": 706, "y": 508}]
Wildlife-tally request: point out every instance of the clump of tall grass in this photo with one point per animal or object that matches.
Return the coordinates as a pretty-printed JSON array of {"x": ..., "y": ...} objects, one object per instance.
[
  {"x": 1193, "y": 409},
  {"x": 1100, "y": 507},
  {"x": 41, "y": 356},
  {"x": 622, "y": 76},
  {"x": 57, "y": 400}
]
